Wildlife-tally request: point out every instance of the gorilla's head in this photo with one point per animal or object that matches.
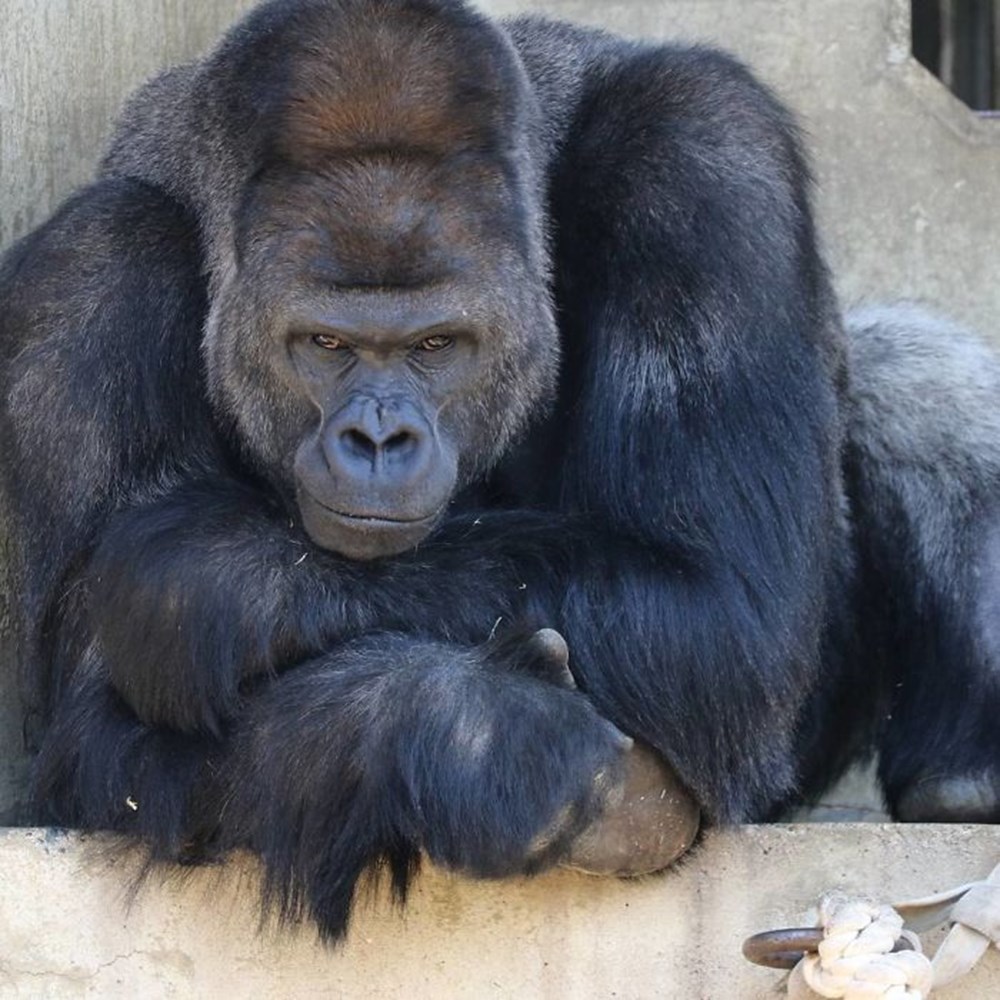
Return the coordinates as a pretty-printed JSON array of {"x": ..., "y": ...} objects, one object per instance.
[{"x": 383, "y": 327}]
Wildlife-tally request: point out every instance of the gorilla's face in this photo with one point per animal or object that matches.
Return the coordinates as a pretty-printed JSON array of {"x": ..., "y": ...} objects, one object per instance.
[
  {"x": 376, "y": 469},
  {"x": 384, "y": 334}
]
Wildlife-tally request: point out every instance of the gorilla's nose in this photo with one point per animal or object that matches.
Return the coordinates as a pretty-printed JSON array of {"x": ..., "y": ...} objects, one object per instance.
[{"x": 372, "y": 439}]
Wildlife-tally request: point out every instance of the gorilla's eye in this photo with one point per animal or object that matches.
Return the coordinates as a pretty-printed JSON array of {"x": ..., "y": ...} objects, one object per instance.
[
  {"x": 329, "y": 342},
  {"x": 436, "y": 343}
]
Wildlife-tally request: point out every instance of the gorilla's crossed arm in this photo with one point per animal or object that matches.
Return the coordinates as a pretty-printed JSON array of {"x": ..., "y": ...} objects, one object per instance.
[{"x": 300, "y": 451}]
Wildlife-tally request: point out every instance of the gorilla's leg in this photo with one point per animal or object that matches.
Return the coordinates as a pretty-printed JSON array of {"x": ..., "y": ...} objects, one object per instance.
[{"x": 924, "y": 458}]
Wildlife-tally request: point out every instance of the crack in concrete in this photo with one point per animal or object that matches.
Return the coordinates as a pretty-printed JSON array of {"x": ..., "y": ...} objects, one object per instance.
[{"x": 78, "y": 975}]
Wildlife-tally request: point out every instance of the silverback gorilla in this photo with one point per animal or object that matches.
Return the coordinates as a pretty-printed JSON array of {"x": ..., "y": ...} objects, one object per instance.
[{"x": 388, "y": 336}]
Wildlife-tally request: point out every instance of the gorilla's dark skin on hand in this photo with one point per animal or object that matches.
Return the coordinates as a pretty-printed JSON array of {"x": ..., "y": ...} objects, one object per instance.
[{"x": 300, "y": 457}]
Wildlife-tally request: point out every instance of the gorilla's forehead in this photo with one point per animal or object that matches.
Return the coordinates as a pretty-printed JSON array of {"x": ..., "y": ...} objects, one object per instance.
[
  {"x": 388, "y": 139},
  {"x": 387, "y": 220}
]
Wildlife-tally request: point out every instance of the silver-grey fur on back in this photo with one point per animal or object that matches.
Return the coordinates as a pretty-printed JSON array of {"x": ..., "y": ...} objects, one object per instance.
[
  {"x": 924, "y": 389},
  {"x": 924, "y": 418}
]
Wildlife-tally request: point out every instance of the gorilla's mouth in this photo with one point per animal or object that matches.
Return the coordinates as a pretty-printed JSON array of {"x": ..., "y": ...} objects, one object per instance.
[{"x": 363, "y": 534}]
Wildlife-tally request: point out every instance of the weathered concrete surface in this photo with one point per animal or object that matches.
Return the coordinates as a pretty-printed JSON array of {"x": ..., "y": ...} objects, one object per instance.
[
  {"x": 562, "y": 935},
  {"x": 65, "y": 68}
]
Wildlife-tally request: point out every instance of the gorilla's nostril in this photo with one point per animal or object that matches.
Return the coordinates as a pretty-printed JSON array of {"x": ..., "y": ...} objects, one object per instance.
[
  {"x": 358, "y": 443},
  {"x": 398, "y": 441}
]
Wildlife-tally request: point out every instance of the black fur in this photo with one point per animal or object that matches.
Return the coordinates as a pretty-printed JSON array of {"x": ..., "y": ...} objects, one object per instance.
[{"x": 668, "y": 496}]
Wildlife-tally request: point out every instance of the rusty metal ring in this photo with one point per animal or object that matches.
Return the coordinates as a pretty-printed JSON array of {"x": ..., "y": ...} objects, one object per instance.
[
  {"x": 785, "y": 948},
  {"x": 782, "y": 949}
]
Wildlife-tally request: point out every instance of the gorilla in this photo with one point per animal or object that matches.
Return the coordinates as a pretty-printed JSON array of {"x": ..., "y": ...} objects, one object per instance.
[{"x": 417, "y": 410}]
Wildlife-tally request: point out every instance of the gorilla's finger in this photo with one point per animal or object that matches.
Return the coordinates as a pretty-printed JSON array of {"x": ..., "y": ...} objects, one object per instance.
[{"x": 550, "y": 645}]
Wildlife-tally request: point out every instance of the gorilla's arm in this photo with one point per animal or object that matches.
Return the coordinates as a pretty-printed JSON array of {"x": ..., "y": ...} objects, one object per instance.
[
  {"x": 196, "y": 592},
  {"x": 101, "y": 307},
  {"x": 701, "y": 353}
]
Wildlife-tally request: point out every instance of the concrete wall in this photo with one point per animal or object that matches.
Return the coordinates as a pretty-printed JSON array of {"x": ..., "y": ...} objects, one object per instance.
[
  {"x": 65, "y": 68},
  {"x": 563, "y": 935}
]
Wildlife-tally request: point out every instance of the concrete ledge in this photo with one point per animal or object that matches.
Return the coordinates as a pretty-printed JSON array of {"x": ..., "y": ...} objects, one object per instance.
[{"x": 67, "y": 930}]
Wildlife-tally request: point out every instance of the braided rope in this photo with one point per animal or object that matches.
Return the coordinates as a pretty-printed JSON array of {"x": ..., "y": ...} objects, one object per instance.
[{"x": 856, "y": 961}]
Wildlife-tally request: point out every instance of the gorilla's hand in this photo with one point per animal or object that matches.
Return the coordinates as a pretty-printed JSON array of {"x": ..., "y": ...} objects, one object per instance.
[
  {"x": 391, "y": 745},
  {"x": 505, "y": 769},
  {"x": 648, "y": 820}
]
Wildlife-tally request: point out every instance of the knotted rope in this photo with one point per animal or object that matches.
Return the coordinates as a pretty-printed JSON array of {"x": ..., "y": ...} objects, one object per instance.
[
  {"x": 866, "y": 950},
  {"x": 856, "y": 959}
]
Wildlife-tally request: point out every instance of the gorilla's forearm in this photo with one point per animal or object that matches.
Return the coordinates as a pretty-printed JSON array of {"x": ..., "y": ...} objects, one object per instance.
[
  {"x": 201, "y": 589},
  {"x": 195, "y": 593},
  {"x": 408, "y": 746}
]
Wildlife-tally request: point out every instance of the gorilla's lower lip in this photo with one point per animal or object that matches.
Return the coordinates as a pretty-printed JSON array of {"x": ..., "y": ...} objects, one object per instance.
[{"x": 378, "y": 520}]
